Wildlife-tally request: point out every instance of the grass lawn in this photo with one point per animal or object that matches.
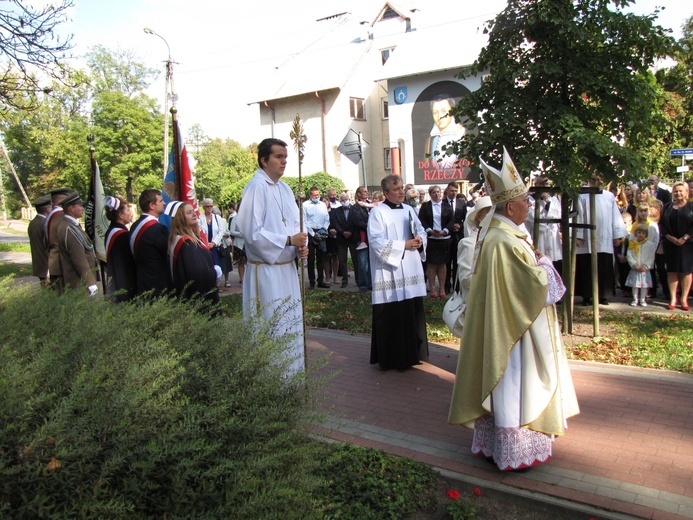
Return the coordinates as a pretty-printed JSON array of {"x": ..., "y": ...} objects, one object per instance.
[
  {"x": 646, "y": 340},
  {"x": 20, "y": 248}
]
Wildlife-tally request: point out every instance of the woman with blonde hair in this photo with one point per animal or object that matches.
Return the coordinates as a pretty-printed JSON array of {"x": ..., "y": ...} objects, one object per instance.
[
  {"x": 192, "y": 266},
  {"x": 676, "y": 227},
  {"x": 121, "y": 272}
]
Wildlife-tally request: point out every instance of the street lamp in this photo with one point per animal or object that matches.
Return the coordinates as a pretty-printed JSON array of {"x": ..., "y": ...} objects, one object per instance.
[{"x": 168, "y": 82}]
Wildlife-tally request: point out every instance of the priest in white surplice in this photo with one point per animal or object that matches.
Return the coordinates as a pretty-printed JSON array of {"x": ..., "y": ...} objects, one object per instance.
[
  {"x": 268, "y": 219},
  {"x": 610, "y": 231},
  {"x": 398, "y": 338}
]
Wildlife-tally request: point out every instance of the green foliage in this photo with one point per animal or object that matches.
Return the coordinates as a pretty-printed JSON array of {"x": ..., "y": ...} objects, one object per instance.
[
  {"x": 365, "y": 483},
  {"x": 15, "y": 246},
  {"x": 321, "y": 180},
  {"x": 129, "y": 133},
  {"x": 678, "y": 84},
  {"x": 48, "y": 145},
  {"x": 118, "y": 71},
  {"x": 147, "y": 410},
  {"x": 462, "y": 510},
  {"x": 11, "y": 269},
  {"x": 570, "y": 92},
  {"x": 221, "y": 164}
]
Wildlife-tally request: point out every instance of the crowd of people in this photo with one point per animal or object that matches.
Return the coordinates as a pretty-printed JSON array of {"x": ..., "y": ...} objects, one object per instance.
[{"x": 405, "y": 244}]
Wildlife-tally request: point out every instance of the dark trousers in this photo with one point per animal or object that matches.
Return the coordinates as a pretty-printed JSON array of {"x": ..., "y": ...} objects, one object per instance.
[
  {"x": 661, "y": 268},
  {"x": 315, "y": 253},
  {"x": 605, "y": 276},
  {"x": 451, "y": 272},
  {"x": 342, "y": 249}
]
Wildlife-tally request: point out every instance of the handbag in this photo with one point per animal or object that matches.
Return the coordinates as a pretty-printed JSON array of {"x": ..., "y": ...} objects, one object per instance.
[{"x": 453, "y": 311}]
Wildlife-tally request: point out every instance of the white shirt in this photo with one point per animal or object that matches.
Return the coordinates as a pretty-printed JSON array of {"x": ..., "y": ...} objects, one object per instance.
[{"x": 315, "y": 216}]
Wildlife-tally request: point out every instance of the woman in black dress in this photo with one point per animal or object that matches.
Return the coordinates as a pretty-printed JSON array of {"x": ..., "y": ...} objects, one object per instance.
[
  {"x": 192, "y": 265},
  {"x": 437, "y": 219},
  {"x": 676, "y": 229},
  {"x": 120, "y": 265}
]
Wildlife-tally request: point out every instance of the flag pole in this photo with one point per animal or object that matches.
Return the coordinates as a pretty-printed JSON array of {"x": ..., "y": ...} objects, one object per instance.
[
  {"x": 92, "y": 188},
  {"x": 176, "y": 155},
  {"x": 299, "y": 138}
]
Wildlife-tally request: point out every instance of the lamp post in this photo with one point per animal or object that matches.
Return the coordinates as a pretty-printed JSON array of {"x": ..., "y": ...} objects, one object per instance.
[{"x": 168, "y": 83}]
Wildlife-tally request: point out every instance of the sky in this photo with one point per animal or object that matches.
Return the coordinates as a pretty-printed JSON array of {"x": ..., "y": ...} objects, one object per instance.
[{"x": 222, "y": 50}]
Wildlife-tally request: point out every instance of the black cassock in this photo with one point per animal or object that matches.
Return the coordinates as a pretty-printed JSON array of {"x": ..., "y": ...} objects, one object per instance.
[
  {"x": 121, "y": 271},
  {"x": 193, "y": 271}
]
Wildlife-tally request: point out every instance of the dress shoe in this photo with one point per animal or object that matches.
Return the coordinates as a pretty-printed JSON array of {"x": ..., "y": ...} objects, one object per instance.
[
  {"x": 322, "y": 285},
  {"x": 684, "y": 307},
  {"x": 603, "y": 301},
  {"x": 587, "y": 302},
  {"x": 312, "y": 285},
  {"x": 344, "y": 284}
]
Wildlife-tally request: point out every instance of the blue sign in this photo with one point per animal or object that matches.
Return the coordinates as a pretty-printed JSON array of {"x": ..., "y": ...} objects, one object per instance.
[
  {"x": 681, "y": 151},
  {"x": 400, "y": 95}
]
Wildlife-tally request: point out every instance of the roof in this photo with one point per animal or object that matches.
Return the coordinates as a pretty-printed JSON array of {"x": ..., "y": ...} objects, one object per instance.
[
  {"x": 325, "y": 64},
  {"x": 417, "y": 54}
]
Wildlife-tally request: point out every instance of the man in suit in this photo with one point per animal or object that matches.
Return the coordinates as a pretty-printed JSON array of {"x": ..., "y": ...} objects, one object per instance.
[
  {"x": 342, "y": 225},
  {"x": 76, "y": 250},
  {"x": 37, "y": 239},
  {"x": 149, "y": 245},
  {"x": 657, "y": 192},
  {"x": 459, "y": 210}
]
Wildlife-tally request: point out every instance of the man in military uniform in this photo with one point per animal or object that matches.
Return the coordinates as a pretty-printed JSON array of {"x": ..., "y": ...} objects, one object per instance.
[
  {"x": 76, "y": 251},
  {"x": 51, "y": 228},
  {"x": 37, "y": 239}
]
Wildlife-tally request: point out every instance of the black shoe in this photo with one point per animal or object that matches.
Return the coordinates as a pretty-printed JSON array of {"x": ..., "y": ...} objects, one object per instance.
[
  {"x": 603, "y": 301},
  {"x": 344, "y": 284},
  {"x": 323, "y": 285},
  {"x": 312, "y": 285},
  {"x": 587, "y": 302}
]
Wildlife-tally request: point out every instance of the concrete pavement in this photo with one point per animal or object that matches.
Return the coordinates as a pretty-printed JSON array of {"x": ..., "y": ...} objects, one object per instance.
[{"x": 628, "y": 454}]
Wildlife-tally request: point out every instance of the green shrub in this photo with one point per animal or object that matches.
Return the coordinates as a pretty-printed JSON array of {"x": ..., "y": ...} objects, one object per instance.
[
  {"x": 147, "y": 410},
  {"x": 366, "y": 483}
]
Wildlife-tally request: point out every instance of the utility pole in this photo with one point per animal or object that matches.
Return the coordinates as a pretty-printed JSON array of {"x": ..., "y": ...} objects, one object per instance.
[{"x": 169, "y": 92}]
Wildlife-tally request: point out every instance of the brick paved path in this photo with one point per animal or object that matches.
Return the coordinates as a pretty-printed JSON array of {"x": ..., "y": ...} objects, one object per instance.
[{"x": 629, "y": 451}]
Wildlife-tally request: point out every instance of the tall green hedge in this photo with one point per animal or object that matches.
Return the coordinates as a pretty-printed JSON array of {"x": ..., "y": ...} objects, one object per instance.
[{"x": 146, "y": 410}]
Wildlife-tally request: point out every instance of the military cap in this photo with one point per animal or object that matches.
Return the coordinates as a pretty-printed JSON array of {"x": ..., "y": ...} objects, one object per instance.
[
  {"x": 61, "y": 191},
  {"x": 71, "y": 199},
  {"x": 44, "y": 200}
]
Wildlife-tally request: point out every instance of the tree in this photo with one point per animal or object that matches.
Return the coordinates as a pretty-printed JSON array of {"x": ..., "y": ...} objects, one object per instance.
[
  {"x": 118, "y": 71},
  {"x": 678, "y": 85},
  {"x": 570, "y": 92},
  {"x": 220, "y": 164},
  {"x": 321, "y": 180},
  {"x": 129, "y": 133},
  {"x": 31, "y": 50},
  {"x": 196, "y": 138},
  {"x": 48, "y": 144}
]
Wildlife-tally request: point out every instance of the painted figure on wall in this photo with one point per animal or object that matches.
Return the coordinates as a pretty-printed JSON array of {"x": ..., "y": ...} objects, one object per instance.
[{"x": 434, "y": 128}]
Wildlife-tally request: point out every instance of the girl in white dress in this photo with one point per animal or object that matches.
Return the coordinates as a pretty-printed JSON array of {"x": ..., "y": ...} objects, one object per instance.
[{"x": 641, "y": 255}]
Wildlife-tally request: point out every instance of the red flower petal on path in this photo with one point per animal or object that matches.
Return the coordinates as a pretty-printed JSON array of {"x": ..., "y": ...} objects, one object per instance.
[
  {"x": 476, "y": 492},
  {"x": 452, "y": 493}
]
